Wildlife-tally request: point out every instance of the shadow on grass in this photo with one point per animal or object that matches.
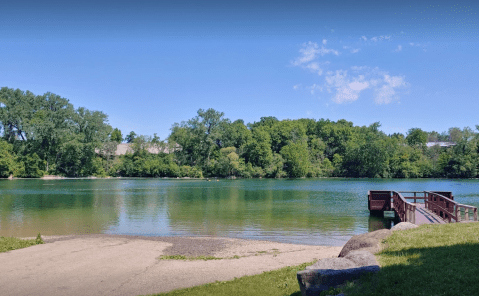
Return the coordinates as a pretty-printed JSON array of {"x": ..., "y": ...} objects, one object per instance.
[{"x": 446, "y": 270}]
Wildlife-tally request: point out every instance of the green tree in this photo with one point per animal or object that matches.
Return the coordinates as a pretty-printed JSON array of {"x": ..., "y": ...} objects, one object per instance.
[
  {"x": 130, "y": 137},
  {"x": 71, "y": 156},
  {"x": 335, "y": 135},
  {"x": 455, "y": 134},
  {"x": 276, "y": 167},
  {"x": 16, "y": 111},
  {"x": 199, "y": 138},
  {"x": 228, "y": 164},
  {"x": 367, "y": 155},
  {"x": 463, "y": 161},
  {"x": 8, "y": 160},
  {"x": 265, "y": 122},
  {"x": 259, "y": 149},
  {"x": 416, "y": 137},
  {"x": 34, "y": 167},
  {"x": 116, "y": 136},
  {"x": 285, "y": 131},
  {"x": 296, "y": 156},
  {"x": 235, "y": 134}
]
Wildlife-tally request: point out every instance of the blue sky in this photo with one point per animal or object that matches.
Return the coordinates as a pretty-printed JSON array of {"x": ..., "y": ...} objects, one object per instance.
[{"x": 149, "y": 64}]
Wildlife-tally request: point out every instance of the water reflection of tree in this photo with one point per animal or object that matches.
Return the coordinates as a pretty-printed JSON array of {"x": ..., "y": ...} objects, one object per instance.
[
  {"x": 215, "y": 209},
  {"x": 57, "y": 207}
]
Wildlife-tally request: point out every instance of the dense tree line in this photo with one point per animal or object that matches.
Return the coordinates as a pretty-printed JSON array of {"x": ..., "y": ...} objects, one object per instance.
[
  {"x": 45, "y": 134},
  {"x": 309, "y": 148}
]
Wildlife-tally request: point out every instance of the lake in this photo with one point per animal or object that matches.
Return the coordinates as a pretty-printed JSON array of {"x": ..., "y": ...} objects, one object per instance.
[{"x": 305, "y": 211}]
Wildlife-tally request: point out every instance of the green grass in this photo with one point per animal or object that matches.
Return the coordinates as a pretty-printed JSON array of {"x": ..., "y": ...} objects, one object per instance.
[
  {"x": 428, "y": 260},
  {"x": 186, "y": 258},
  {"x": 206, "y": 258},
  {"x": 272, "y": 283},
  {"x": 12, "y": 243}
]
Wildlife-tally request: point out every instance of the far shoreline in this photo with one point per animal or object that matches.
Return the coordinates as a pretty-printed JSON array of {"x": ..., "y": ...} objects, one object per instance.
[{"x": 54, "y": 177}]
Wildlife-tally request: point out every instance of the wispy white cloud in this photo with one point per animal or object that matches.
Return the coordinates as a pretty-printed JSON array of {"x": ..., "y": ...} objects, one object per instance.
[
  {"x": 376, "y": 38},
  {"x": 353, "y": 50},
  {"x": 348, "y": 88},
  {"x": 387, "y": 92},
  {"x": 420, "y": 45},
  {"x": 314, "y": 67},
  {"x": 358, "y": 68},
  {"x": 311, "y": 51},
  {"x": 348, "y": 85},
  {"x": 308, "y": 53},
  {"x": 315, "y": 87},
  {"x": 296, "y": 86}
]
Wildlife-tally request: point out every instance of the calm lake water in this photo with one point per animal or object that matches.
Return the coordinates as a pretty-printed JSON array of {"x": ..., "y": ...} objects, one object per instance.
[{"x": 306, "y": 211}]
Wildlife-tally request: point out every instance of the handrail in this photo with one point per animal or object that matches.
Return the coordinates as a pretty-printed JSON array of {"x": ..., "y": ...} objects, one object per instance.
[
  {"x": 466, "y": 206},
  {"x": 415, "y": 197},
  {"x": 450, "y": 208},
  {"x": 405, "y": 210}
]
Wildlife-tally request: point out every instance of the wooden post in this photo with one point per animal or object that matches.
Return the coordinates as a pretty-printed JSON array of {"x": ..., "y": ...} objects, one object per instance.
[
  {"x": 475, "y": 214},
  {"x": 458, "y": 214}
]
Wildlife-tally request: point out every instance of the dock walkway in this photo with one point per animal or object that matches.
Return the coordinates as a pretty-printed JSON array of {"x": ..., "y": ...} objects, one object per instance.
[{"x": 424, "y": 216}]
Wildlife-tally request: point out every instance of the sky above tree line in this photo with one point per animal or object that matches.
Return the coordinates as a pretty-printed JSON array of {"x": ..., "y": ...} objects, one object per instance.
[{"x": 149, "y": 64}]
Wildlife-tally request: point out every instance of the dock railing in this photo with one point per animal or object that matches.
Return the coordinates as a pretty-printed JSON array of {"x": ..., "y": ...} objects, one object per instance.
[
  {"x": 448, "y": 209},
  {"x": 405, "y": 210},
  {"x": 417, "y": 195}
]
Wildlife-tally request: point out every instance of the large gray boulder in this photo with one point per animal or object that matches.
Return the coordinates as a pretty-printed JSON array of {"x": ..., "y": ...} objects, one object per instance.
[
  {"x": 356, "y": 258},
  {"x": 333, "y": 263},
  {"x": 370, "y": 242},
  {"x": 403, "y": 226},
  {"x": 362, "y": 258},
  {"x": 331, "y": 272},
  {"x": 353, "y": 260},
  {"x": 314, "y": 281}
]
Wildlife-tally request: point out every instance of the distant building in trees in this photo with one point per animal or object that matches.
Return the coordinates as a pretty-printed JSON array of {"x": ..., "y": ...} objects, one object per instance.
[
  {"x": 441, "y": 144},
  {"x": 123, "y": 148}
]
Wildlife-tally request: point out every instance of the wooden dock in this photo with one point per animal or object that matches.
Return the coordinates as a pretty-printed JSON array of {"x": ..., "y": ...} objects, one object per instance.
[{"x": 438, "y": 207}]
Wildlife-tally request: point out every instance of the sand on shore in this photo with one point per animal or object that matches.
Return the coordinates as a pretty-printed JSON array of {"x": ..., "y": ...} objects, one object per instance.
[{"x": 129, "y": 265}]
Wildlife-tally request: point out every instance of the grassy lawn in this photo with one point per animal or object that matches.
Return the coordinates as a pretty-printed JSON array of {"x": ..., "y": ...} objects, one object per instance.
[
  {"x": 275, "y": 283},
  {"x": 428, "y": 260},
  {"x": 12, "y": 243}
]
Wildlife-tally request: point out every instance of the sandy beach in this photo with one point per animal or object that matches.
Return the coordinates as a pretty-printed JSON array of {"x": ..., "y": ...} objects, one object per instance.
[{"x": 129, "y": 265}]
